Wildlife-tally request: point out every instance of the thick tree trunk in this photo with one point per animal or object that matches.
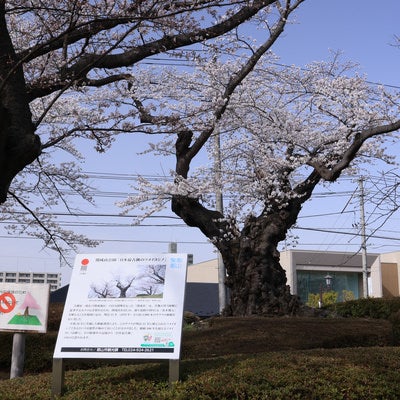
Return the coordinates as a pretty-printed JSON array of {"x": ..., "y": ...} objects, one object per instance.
[
  {"x": 258, "y": 287},
  {"x": 19, "y": 146},
  {"x": 256, "y": 280}
]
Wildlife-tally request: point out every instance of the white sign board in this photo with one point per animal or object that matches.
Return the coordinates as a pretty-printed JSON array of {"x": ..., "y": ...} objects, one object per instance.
[
  {"x": 124, "y": 306},
  {"x": 24, "y": 307}
]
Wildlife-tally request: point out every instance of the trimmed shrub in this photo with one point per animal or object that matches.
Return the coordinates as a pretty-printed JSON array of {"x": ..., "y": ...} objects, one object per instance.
[{"x": 378, "y": 308}]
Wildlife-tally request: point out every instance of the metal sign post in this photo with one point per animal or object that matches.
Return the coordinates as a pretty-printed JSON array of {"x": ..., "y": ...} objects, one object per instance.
[{"x": 18, "y": 355}]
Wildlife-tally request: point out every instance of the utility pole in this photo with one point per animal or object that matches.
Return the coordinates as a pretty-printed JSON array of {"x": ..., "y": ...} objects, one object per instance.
[
  {"x": 222, "y": 295},
  {"x": 363, "y": 239},
  {"x": 172, "y": 247}
]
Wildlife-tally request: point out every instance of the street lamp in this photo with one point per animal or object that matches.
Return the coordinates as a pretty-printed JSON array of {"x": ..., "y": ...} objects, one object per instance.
[{"x": 328, "y": 282}]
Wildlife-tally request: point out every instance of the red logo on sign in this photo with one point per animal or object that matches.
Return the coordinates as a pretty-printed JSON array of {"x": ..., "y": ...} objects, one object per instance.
[{"x": 7, "y": 302}]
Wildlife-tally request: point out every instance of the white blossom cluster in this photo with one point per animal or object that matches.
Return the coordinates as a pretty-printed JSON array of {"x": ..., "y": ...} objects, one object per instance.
[
  {"x": 76, "y": 99},
  {"x": 278, "y": 124},
  {"x": 273, "y": 128}
]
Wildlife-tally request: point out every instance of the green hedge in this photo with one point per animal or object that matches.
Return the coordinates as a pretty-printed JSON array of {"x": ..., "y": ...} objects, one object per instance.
[
  {"x": 378, "y": 308},
  {"x": 340, "y": 374}
]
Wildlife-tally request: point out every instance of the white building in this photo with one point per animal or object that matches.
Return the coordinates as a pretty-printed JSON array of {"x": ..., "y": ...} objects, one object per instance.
[
  {"x": 53, "y": 279},
  {"x": 204, "y": 272},
  {"x": 306, "y": 271}
]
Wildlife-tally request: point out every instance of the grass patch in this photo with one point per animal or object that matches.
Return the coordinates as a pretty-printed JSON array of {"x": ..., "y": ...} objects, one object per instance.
[
  {"x": 353, "y": 373},
  {"x": 230, "y": 358}
]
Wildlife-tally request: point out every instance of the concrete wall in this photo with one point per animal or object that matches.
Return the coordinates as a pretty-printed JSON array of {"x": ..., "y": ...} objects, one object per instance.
[{"x": 204, "y": 272}]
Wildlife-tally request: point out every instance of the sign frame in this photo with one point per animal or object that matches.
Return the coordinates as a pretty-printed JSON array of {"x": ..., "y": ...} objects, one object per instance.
[
  {"x": 33, "y": 298},
  {"x": 125, "y": 306},
  {"x": 140, "y": 321}
]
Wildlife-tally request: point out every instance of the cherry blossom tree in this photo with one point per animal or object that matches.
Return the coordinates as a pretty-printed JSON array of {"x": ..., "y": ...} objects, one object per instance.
[
  {"x": 124, "y": 286},
  {"x": 104, "y": 290},
  {"x": 62, "y": 66},
  {"x": 118, "y": 287},
  {"x": 71, "y": 71},
  {"x": 29, "y": 302},
  {"x": 154, "y": 279},
  {"x": 273, "y": 134}
]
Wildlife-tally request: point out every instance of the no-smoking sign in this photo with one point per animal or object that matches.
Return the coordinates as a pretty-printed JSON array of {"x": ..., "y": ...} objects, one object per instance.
[
  {"x": 7, "y": 302},
  {"x": 24, "y": 306}
]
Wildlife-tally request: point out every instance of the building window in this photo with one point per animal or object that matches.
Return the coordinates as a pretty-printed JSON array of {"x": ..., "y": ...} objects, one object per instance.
[{"x": 310, "y": 282}]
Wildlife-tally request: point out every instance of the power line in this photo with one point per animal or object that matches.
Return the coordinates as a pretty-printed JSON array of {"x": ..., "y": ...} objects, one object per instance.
[
  {"x": 97, "y": 215},
  {"x": 179, "y": 62},
  {"x": 133, "y": 216},
  {"x": 345, "y": 233},
  {"x": 114, "y": 240},
  {"x": 325, "y": 214},
  {"x": 324, "y": 230}
]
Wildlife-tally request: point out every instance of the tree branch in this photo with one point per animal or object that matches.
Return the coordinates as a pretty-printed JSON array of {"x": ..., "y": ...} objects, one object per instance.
[
  {"x": 52, "y": 238},
  {"x": 331, "y": 174},
  {"x": 78, "y": 70},
  {"x": 44, "y": 88},
  {"x": 241, "y": 74}
]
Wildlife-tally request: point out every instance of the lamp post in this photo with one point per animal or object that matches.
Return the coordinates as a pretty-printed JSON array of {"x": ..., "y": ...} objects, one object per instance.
[{"x": 328, "y": 282}]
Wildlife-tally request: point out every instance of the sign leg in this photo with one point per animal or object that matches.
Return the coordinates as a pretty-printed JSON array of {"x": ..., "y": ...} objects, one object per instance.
[
  {"x": 173, "y": 371},
  {"x": 18, "y": 355},
  {"x": 57, "y": 383}
]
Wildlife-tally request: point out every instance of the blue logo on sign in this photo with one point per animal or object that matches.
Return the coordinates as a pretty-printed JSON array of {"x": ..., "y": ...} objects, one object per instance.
[{"x": 176, "y": 262}]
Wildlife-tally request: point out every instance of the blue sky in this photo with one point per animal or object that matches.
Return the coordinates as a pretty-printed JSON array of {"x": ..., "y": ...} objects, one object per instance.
[{"x": 363, "y": 29}]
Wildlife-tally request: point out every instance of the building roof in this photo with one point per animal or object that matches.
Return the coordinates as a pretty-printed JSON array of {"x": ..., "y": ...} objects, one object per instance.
[{"x": 322, "y": 258}]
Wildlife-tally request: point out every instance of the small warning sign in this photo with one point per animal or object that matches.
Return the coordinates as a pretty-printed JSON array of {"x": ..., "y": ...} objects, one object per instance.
[
  {"x": 7, "y": 302},
  {"x": 24, "y": 307}
]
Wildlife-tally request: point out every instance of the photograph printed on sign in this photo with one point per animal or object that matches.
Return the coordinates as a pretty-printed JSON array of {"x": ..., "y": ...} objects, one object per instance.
[{"x": 146, "y": 281}]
